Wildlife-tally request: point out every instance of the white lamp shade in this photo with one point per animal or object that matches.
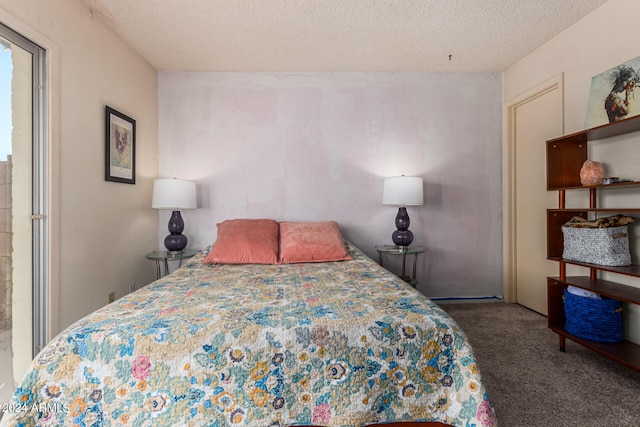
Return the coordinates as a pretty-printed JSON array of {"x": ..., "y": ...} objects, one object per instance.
[
  {"x": 402, "y": 191},
  {"x": 174, "y": 194}
]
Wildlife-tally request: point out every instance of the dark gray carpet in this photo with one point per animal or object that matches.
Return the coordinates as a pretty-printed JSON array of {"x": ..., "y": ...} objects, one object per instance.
[{"x": 532, "y": 383}]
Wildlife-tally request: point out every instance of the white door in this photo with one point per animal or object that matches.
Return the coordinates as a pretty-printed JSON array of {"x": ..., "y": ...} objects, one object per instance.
[{"x": 534, "y": 119}]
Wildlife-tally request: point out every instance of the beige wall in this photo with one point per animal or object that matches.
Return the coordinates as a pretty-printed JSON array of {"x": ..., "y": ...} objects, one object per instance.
[
  {"x": 101, "y": 230},
  {"x": 602, "y": 40}
]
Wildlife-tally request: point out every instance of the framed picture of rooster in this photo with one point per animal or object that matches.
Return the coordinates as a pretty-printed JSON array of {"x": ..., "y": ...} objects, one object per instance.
[{"x": 120, "y": 142}]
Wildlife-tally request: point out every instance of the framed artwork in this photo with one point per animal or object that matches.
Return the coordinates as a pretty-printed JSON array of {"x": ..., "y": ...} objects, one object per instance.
[
  {"x": 120, "y": 143},
  {"x": 612, "y": 96}
]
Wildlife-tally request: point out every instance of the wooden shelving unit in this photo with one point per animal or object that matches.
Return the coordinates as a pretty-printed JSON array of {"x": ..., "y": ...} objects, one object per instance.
[{"x": 565, "y": 156}]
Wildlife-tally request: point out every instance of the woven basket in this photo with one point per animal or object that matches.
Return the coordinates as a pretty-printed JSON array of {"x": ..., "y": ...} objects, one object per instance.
[
  {"x": 593, "y": 319},
  {"x": 603, "y": 246}
]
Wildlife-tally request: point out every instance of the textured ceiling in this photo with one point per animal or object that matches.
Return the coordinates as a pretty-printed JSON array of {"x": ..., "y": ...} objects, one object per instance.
[{"x": 338, "y": 35}]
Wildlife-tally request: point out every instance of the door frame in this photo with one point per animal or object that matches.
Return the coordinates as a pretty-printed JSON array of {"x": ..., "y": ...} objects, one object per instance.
[{"x": 509, "y": 214}]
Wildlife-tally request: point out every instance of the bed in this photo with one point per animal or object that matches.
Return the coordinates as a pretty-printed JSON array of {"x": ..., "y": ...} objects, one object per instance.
[{"x": 338, "y": 343}]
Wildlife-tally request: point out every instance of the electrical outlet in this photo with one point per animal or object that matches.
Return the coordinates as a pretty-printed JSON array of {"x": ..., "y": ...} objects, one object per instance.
[
  {"x": 112, "y": 297},
  {"x": 132, "y": 287}
]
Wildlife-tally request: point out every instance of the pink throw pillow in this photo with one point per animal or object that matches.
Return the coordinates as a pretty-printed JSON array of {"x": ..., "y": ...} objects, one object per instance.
[
  {"x": 245, "y": 241},
  {"x": 311, "y": 242}
]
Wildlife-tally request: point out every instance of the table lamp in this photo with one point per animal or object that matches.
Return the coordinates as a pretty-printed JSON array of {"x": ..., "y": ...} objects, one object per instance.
[
  {"x": 402, "y": 191},
  {"x": 174, "y": 194}
]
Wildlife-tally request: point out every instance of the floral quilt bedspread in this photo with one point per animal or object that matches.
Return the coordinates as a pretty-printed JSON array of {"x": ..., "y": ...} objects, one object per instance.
[{"x": 329, "y": 344}]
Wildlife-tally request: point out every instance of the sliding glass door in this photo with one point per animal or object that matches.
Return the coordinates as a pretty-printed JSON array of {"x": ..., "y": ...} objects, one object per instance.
[{"x": 23, "y": 196}]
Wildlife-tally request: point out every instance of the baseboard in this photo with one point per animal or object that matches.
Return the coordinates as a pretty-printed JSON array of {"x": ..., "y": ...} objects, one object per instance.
[{"x": 462, "y": 300}]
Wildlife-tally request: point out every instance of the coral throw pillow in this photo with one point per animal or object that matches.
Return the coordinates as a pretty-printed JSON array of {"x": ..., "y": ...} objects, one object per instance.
[
  {"x": 245, "y": 241},
  {"x": 311, "y": 242}
]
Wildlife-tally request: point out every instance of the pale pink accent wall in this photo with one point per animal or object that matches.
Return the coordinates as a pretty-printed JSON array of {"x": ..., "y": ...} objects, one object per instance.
[{"x": 316, "y": 146}]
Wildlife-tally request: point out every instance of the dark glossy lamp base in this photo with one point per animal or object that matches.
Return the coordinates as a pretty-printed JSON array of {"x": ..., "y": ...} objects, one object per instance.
[
  {"x": 402, "y": 236},
  {"x": 176, "y": 241}
]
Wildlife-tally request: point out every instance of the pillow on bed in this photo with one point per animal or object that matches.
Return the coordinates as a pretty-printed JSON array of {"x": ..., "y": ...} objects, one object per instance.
[
  {"x": 245, "y": 241},
  {"x": 311, "y": 242}
]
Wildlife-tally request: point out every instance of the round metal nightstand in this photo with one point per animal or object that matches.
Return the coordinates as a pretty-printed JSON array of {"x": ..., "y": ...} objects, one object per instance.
[
  {"x": 166, "y": 256},
  {"x": 399, "y": 250}
]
